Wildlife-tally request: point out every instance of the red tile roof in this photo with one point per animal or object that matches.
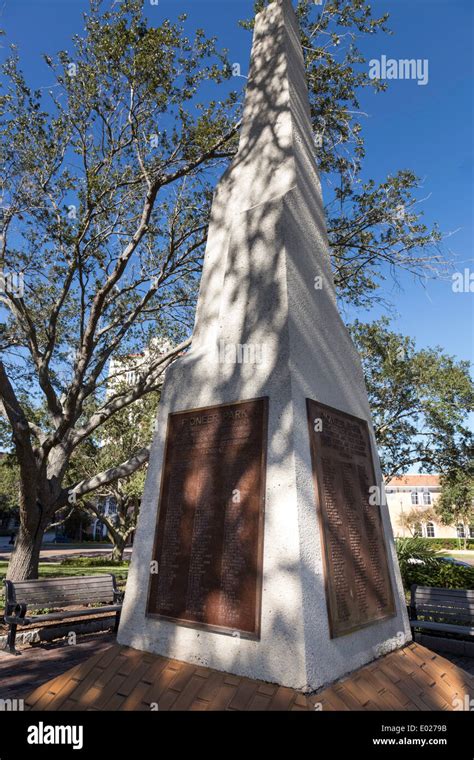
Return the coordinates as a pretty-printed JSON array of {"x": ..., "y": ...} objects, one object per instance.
[{"x": 415, "y": 480}]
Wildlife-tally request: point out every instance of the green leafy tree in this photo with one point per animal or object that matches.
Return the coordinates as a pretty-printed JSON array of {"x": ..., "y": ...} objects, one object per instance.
[
  {"x": 106, "y": 184},
  {"x": 9, "y": 486},
  {"x": 412, "y": 520},
  {"x": 420, "y": 401},
  {"x": 456, "y": 502},
  {"x": 125, "y": 434},
  {"x": 106, "y": 191}
]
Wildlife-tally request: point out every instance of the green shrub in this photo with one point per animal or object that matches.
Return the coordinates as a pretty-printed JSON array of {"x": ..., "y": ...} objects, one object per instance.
[
  {"x": 433, "y": 571},
  {"x": 94, "y": 562},
  {"x": 445, "y": 575},
  {"x": 451, "y": 543}
]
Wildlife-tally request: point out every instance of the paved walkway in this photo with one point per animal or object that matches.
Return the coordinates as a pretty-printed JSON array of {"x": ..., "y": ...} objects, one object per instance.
[
  {"x": 58, "y": 552},
  {"x": 119, "y": 678},
  {"x": 38, "y": 664}
]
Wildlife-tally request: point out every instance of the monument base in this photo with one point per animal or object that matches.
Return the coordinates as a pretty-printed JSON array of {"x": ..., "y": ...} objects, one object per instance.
[{"x": 294, "y": 645}]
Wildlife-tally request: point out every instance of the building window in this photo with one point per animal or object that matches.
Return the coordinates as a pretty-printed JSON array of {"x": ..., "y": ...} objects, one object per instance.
[
  {"x": 460, "y": 531},
  {"x": 471, "y": 531},
  {"x": 417, "y": 530},
  {"x": 430, "y": 530},
  {"x": 414, "y": 497},
  {"x": 426, "y": 498}
]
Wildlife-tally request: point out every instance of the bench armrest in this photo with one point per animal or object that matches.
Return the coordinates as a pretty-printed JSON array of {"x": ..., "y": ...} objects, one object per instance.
[{"x": 16, "y": 614}]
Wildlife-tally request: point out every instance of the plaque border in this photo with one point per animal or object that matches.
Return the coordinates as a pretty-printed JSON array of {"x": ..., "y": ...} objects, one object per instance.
[
  {"x": 254, "y": 635},
  {"x": 391, "y": 609}
]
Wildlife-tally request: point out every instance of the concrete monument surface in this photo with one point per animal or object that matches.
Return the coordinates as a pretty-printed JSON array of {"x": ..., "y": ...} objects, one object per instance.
[{"x": 258, "y": 549}]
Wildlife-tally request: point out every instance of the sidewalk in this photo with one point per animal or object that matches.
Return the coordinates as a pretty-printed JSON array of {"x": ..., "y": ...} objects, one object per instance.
[
  {"x": 58, "y": 552},
  {"x": 38, "y": 664}
]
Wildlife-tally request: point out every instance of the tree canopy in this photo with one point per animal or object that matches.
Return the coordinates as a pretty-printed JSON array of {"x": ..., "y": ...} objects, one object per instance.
[
  {"x": 420, "y": 401},
  {"x": 106, "y": 183}
]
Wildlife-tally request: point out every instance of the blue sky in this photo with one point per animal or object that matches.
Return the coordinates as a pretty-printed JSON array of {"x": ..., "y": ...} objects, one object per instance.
[{"x": 425, "y": 128}]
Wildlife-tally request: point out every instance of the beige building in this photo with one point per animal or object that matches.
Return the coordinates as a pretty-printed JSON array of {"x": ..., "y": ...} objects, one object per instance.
[{"x": 417, "y": 494}]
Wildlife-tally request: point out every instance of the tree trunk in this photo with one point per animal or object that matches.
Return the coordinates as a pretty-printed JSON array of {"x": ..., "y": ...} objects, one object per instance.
[
  {"x": 119, "y": 546},
  {"x": 24, "y": 561}
]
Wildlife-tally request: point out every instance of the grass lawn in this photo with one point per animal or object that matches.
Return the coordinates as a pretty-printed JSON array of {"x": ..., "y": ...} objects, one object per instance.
[
  {"x": 56, "y": 570},
  {"x": 467, "y": 556},
  {"x": 76, "y": 545}
]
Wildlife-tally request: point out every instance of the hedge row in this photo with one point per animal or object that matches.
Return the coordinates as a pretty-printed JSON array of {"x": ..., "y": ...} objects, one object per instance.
[
  {"x": 450, "y": 543},
  {"x": 444, "y": 575}
]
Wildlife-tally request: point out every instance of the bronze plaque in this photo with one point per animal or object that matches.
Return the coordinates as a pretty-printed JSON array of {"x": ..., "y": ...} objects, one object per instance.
[
  {"x": 358, "y": 586},
  {"x": 209, "y": 537}
]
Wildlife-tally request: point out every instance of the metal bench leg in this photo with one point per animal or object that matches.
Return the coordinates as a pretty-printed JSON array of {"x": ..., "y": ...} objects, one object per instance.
[{"x": 10, "y": 648}]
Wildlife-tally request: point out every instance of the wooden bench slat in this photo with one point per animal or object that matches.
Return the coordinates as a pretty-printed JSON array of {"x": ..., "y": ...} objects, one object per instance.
[
  {"x": 66, "y": 579},
  {"x": 63, "y": 602},
  {"x": 63, "y": 595},
  {"x": 29, "y": 598},
  {"x": 32, "y": 619},
  {"x": 52, "y": 589},
  {"x": 443, "y": 589},
  {"x": 441, "y": 599},
  {"x": 443, "y": 612},
  {"x": 466, "y": 609},
  {"x": 63, "y": 589},
  {"x": 448, "y": 627},
  {"x": 440, "y": 593},
  {"x": 77, "y": 581},
  {"x": 446, "y": 600}
]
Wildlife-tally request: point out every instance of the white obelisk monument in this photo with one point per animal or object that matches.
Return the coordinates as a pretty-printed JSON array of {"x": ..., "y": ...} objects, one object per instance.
[{"x": 267, "y": 249}]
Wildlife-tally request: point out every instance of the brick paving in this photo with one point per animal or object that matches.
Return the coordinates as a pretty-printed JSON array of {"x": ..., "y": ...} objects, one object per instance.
[
  {"x": 121, "y": 678},
  {"x": 38, "y": 664}
]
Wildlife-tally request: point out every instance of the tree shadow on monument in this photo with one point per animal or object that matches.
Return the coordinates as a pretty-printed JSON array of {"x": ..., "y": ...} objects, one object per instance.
[{"x": 267, "y": 244}]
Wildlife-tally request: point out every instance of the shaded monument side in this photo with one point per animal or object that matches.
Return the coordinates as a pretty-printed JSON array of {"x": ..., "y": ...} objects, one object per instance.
[
  {"x": 326, "y": 367},
  {"x": 317, "y": 330},
  {"x": 358, "y": 587}
]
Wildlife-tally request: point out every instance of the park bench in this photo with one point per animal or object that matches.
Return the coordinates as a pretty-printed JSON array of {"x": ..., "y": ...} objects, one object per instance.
[
  {"x": 54, "y": 593},
  {"x": 445, "y": 610}
]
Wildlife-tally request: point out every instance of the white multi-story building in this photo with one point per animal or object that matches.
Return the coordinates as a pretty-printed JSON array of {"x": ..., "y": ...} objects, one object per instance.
[
  {"x": 126, "y": 370},
  {"x": 408, "y": 494}
]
